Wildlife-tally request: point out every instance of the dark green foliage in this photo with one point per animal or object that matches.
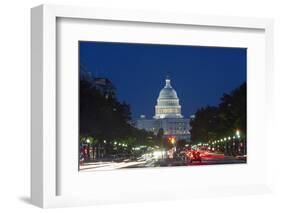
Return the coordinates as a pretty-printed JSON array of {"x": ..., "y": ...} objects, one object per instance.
[
  {"x": 105, "y": 118},
  {"x": 211, "y": 123}
]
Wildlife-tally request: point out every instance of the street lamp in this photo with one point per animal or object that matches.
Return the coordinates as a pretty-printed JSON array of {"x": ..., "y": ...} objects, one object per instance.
[
  {"x": 238, "y": 133},
  {"x": 172, "y": 139},
  {"x": 88, "y": 141}
]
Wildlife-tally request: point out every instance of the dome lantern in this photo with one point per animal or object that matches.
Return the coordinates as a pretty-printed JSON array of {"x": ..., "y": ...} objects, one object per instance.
[{"x": 168, "y": 82}]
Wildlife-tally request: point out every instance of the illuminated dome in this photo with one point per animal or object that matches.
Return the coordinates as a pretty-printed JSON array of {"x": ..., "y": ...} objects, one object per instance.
[
  {"x": 168, "y": 92},
  {"x": 168, "y": 103}
]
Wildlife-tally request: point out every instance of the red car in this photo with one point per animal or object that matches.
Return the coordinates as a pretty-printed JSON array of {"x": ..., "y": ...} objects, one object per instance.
[{"x": 194, "y": 155}]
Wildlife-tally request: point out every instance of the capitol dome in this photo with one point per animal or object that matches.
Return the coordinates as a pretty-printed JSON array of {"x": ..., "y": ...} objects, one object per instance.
[
  {"x": 168, "y": 103},
  {"x": 168, "y": 92}
]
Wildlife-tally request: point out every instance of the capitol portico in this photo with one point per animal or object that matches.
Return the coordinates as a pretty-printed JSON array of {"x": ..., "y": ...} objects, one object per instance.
[{"x": 167, "y": 116}]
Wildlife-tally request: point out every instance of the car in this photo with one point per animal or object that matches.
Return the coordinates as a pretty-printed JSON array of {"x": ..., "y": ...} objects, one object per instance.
[{"x": 194, "y": 155}]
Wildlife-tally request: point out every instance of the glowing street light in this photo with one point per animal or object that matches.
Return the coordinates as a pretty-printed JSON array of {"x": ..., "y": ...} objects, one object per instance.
[
  {"x": 172, "y": 140},
  {"x": 238, "y": 133}
]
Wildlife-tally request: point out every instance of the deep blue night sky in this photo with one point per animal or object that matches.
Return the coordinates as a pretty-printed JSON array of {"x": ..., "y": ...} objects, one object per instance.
[{"x": 200, "y": 75}]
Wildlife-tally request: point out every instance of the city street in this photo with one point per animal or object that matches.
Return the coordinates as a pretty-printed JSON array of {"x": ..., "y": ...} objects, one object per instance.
[{"x": 145, "y": 161}]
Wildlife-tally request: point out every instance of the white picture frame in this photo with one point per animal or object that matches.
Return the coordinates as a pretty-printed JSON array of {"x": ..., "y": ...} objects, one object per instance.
[{"x": 44, "y": 154}]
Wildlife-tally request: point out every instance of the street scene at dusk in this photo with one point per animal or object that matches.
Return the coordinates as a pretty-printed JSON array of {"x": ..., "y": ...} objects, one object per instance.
[{"x": 153, "y": 105}]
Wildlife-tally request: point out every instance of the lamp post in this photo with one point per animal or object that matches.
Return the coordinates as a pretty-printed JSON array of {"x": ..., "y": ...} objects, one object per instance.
[
  {"x": 88, "y": 141},
  {"x": 238, "y": 137},
  {"x": 172, "y": 140},
  {"x": 238, "y": 133}
]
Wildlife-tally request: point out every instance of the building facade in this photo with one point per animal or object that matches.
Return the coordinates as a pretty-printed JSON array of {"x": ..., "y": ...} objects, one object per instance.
[{"x": 167, "y": 116}]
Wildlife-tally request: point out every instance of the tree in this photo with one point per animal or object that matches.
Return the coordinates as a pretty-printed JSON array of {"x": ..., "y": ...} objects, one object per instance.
[
  {"x": 205, "y": 124},
  {"x": 103, "y": 117},
  {"x": 233, "y": 109},
  {"x": 213, "y": 122},
  {"x": 159, "y": 137}
]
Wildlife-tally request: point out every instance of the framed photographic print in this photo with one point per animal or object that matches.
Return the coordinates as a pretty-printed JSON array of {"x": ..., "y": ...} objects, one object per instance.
[
  {"x": 114, "y": 134},
  {"x": 130, "y": 106}
]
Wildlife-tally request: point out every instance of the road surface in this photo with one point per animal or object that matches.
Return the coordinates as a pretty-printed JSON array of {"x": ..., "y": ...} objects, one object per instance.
[{"x": 150, "y": 161}]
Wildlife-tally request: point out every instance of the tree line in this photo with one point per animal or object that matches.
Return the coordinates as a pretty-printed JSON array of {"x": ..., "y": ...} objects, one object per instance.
[
  {"x": 102, "y": 117},
  {"x": 215, "y": 122}
]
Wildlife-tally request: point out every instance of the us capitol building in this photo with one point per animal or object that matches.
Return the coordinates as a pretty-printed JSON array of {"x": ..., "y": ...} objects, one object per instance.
[{"x": 167, "y": 116}]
